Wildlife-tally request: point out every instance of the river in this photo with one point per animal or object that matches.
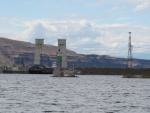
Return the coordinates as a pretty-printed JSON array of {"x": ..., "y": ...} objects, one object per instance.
[{"x": 25, "y": 93}]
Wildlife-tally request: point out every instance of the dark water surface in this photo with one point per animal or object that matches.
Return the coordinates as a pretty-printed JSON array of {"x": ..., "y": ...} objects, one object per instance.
[{"x": 85, "y": 94}]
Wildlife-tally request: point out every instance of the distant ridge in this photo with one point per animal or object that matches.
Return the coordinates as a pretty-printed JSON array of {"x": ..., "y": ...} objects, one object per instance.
[
  {"x": 11, "y": 49},
  {"x": 13, "y": 52}
]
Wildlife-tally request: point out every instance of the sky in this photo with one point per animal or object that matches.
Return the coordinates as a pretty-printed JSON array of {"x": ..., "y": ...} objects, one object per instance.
[{"x": 89, "y": 26}]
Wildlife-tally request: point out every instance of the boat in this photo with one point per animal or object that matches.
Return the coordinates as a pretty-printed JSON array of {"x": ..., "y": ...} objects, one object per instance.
[{"x": 40, "y": 69}]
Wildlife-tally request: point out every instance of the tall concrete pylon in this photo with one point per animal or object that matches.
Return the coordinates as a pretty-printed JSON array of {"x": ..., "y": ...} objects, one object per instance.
[
  {"x": 62, "y": 49},
  {"x": 38, "y": 51}
]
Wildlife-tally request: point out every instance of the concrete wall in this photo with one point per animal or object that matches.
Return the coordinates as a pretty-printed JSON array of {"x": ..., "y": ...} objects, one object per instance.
[{"x": 113, "y": 71}]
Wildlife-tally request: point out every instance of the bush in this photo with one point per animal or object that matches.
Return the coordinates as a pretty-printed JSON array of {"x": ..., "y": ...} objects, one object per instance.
[
  {"x": 128, "y": 76},
  {"x": 145, "y": 76}
]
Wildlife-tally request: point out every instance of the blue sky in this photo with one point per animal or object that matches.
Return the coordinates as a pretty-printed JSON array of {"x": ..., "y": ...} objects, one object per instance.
[{"x": 90, "y": 26}]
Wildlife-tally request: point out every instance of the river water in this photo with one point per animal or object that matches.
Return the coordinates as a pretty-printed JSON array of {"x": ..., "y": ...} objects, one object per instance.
[{"x": 85, "y": 94}]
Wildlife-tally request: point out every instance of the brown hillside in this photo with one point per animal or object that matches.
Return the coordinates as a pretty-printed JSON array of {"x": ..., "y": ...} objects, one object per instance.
[{"x": 9, "y": 49}]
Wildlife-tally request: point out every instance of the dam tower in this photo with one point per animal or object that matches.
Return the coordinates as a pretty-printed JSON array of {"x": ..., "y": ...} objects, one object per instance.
[
  {"x": 38, "y": 51},
  {"x": 62, "y": 50}
]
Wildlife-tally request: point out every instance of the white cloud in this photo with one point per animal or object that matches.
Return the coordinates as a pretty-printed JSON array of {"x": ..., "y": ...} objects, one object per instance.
[
  {"x": 83, "y": 36},
  {"x": 142, "y": 6},
  {"x": 122, "y": 18},
  {"x": 138, "y": 4},
  {"x": 102, "y": 2}
]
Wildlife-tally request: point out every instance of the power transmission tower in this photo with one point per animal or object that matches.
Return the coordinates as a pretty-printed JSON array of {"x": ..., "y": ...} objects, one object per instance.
[{"x": 130, "y": 55}]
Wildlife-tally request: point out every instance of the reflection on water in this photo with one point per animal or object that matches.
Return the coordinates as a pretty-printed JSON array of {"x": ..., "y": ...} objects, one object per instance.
[{"x": 85, "y": 94}]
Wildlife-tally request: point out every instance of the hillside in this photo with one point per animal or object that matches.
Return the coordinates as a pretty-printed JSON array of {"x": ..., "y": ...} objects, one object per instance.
[{"x": 13, "y": 52}]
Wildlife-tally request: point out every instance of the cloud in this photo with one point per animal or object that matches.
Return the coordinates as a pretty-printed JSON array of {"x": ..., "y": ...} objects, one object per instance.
[
  {"x": 98, "y": 3},
  {"x": 137, "y": 4},
  {"x": 142, "y": 6},
  {"x": 122, "y": 18},
  {"x": 83, "y": 36},
  {"x": 38, "y": 31}
]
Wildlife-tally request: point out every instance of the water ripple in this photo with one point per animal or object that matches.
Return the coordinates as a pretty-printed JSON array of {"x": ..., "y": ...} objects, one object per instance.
[{"x": 87, "y": 94}]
